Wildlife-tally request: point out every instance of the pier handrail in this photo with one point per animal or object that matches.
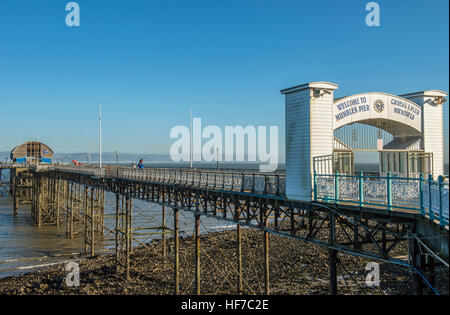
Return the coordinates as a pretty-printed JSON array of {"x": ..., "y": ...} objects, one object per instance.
[
  {"x": 231, "y": 180},
  {"x": 8, "y": 165},
  {"x": 426, "y": 196}
]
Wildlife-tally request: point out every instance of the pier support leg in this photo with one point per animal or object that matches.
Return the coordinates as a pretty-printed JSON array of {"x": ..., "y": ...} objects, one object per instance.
[
  {"x": 13, "y": 189},
  {"x": 71, "y": 210},
  {"x": 333, "y": 256},
  {"x": 127, "y": 238},
  {"x": 266, "y": 257},
  {"x": 117, "y": 232},
  {"x": 163, "y": 236},
  {"x": 355, "y": 233},
  {"x": 333, "y": 272},
  {"x": 102, "y": 221},
  {"x": 239, "y": 256},
  {"x": 431, "y": 270},
  {"x": 86, "y": 211},
  {"x": 130, "y": 215},
  {"x": 57, "y": 193},
  {"x": 177, "y": 253},
  {"x": 197, "y": 254},
  {"x": 416, "y": 261},
  {"x": 39, "y": 202},
  {"x": 15, "y": 200},
  {"x": 97, "y": 211},
  {"x": 92, "y": 212}
]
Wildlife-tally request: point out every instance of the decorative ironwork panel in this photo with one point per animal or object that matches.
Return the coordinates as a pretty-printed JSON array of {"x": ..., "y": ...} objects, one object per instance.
[
  {"x": 237, "y": 182},
  {"x": 248, "y": 183},
  {"x": 228, "y": 181},
  {"x": 405, "y": 193},
  {"x": 271, "y": 185},
  {"x": 435, "y": 199},
  {"x": 282, "y": 185},
  {"x": 259, "y": 184},
  {"x": 375, "y": 191},
  {"x": 219, "y": 181},
  {"x": 325, "y": 187},
  {"x": 349, "y": 189},
  {"x": 445, "y": 200}
]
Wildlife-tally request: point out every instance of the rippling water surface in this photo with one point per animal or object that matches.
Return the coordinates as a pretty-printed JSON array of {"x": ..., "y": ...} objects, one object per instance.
[{"x": 24, "y": 246}]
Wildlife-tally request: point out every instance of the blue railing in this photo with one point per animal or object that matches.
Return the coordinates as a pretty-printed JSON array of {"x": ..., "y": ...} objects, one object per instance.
[{"x": 426, "y": 196}]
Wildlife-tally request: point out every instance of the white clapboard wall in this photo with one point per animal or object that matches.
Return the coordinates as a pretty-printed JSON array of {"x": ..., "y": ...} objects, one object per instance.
[
  {"x": 309, "y": 133},
  {"x": 432, "y": 125}
]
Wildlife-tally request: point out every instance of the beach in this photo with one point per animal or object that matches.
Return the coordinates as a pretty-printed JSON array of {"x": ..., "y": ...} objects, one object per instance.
[{"x": 296, "y": 268}]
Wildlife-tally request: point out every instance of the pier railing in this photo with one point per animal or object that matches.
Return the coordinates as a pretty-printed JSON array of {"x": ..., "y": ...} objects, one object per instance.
[
  {"x": 230, "y": 180},
  {"x": 34, "y": 165},
  {"x": 425, "y": 196},
  {"x": 8, "y": 165}
]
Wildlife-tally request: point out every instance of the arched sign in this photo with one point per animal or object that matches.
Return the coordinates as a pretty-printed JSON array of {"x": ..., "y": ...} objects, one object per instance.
[{"x": 372, "y": 106}]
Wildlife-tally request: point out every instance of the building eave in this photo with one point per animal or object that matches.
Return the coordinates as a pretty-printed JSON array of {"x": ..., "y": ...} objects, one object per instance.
[{"x": 312, "y": 85}]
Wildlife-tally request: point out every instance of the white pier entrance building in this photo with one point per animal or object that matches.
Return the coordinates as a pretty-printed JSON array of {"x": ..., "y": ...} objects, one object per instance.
[{"x": 323, "y": 133}]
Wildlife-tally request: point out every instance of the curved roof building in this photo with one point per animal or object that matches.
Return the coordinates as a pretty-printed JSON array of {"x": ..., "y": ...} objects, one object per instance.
[{"x": 32, "y": 152}]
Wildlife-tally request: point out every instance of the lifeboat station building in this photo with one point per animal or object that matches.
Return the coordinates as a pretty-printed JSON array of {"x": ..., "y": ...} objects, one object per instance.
[
  {"x": 32, "y": 152},
  {"x": 323, "y": 133}
]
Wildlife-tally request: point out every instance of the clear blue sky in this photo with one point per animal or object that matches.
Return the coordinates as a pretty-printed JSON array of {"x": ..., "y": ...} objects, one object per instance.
[{"x": 148, "y": 62}]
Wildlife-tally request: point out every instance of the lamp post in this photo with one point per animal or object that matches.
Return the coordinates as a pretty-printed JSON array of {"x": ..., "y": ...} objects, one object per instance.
[
  {"x": 117, "y": 163},
  {"x": 190, "y": 140},
  {"x": 89, "y": 151},
  {"x": 100, "y": 134},
  {"x": 217, "y": 151}
]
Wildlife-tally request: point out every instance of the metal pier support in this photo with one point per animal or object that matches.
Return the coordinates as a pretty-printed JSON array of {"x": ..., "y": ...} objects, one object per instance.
[
  {"x": 197, "y": 254},
  {"x": 92, "y": 212},
  {"x": 333, "y": 256},
  {"x": 416, "y": 260},
  {"x": 239, "y": 256},
  {"x": 176, "y": 236},
  {"x": 127, "y": 238},
  {"x": 163, "y": 234},
  {"x": 266, "y": 257},
  {"x": 116, "y": 234}
]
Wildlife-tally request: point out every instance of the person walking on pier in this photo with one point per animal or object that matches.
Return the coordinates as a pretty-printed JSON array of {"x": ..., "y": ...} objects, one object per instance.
[{"x": 141, "y": 164}]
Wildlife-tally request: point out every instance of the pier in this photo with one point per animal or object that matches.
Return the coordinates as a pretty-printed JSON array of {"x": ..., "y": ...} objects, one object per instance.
[
  {"x": 319, "y": 199},
  {"x": 74, "y": 196}
]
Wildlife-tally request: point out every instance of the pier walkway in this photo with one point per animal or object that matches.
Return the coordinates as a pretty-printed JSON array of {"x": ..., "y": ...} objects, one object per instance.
[{"x": 364, "y": 216}]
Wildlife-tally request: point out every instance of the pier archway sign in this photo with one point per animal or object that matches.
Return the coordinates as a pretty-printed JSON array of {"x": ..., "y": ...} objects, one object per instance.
[
  {"x": 406, "y": 123},
  {"x": 370, "y": 107}
]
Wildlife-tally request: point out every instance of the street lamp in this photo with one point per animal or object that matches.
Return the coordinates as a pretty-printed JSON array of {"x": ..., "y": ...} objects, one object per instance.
[
  {"x": 217, "y": 151},
  {"x": 117, "y": 163}
]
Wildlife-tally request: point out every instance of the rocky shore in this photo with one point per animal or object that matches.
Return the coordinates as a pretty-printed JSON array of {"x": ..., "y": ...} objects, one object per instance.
[{"x": 296, "y": 268}]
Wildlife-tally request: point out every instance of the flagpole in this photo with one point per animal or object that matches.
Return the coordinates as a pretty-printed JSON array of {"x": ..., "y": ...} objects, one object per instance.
[
  {"x": 191, "y": 155},
  {"x": 100, "y": 133}
]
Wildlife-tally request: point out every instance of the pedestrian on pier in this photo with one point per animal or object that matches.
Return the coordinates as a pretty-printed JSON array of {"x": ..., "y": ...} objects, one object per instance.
[{"x": 141, "y": 164}]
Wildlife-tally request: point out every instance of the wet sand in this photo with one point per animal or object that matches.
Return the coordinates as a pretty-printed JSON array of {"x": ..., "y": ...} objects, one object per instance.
[{"x": 296, "y": 268}]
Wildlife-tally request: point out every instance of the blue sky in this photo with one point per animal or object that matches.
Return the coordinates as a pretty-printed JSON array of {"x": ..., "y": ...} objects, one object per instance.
[{"x": 148, "y": 62}]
